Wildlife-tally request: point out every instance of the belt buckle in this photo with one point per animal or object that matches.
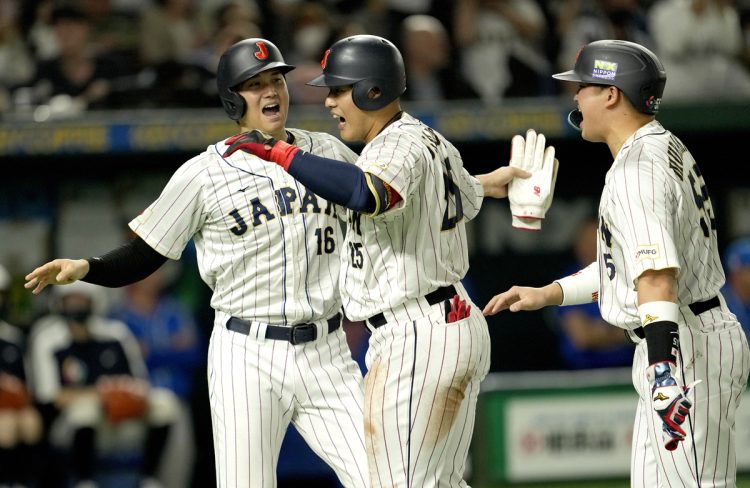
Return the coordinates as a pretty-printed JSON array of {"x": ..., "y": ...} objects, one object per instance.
[{"x": 302, "y": 328}]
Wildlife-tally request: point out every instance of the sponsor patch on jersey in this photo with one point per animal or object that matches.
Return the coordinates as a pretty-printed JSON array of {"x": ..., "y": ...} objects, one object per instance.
[
  {"x": 604, "y": 70},
  {"x": 648, "y": 251}
]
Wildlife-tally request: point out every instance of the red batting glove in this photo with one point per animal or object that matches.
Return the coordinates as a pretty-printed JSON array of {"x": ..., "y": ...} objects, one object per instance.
[{"x": 262, "y": 145}]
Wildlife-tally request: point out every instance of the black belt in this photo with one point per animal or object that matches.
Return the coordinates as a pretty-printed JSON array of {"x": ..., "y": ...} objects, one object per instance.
[
  {"x": 697, "y": 308},
  {"x": 437, "y": 296},
  {"x": 295, "y": 334}
]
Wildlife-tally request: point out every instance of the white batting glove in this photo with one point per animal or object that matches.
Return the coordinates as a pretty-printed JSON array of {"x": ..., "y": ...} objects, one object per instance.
[
  {"x": 670, "y": 400},
  {"x": 530, "y": 198}
]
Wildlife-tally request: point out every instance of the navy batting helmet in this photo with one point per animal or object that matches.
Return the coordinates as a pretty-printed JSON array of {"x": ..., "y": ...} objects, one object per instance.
[
  {"x": 629, "y": 66},
  {"x": 365, "y": 62},
  {"x": 241, "y": 62}
]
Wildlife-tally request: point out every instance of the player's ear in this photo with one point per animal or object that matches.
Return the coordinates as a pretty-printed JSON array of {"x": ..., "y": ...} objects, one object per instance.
[{"x": 614, "y": 95}]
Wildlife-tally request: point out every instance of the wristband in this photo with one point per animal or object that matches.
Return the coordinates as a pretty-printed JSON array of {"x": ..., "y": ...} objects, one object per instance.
[
  {"x": 660, "y": 311},
  {"x": 659, "y": 320},
  {"x": 282, "y": 154}
]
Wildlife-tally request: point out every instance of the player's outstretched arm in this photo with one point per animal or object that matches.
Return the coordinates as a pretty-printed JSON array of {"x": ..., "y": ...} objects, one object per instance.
[
  {"x": 127, "y": 264},
  {"x": 57, "y": 272},
  {"x": 524, "y": 298},
  {"x": 495, "y": 184}
]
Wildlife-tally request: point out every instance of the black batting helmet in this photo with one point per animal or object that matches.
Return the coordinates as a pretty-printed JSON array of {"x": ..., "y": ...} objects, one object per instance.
[
  {"x": 241, "y": 62},
  {"x": 629, "y": 66},
  {"x": 365, "y": 62}
]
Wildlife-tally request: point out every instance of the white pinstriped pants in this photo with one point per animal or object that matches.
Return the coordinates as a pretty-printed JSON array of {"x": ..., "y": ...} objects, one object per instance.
[
  {"x": 258, "y": 386},
  {"x": 420, "y": 398},
  {"x": 706, "y": 458}
]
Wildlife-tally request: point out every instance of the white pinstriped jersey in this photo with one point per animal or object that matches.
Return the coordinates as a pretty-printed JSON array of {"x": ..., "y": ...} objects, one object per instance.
[
  {"x": 248, "y": 218},
  {"x": 655, "y": 213},
  {"x": 420, "y": 245}
]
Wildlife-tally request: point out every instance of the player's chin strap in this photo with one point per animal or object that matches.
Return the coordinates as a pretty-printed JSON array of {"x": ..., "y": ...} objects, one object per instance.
[{"x": 575, "y": 117}]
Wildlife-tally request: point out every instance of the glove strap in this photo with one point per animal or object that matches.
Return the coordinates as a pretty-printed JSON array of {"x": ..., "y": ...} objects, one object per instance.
[
  {"x": 525, "y": 223},
  {"x": 282, "y": 154}
]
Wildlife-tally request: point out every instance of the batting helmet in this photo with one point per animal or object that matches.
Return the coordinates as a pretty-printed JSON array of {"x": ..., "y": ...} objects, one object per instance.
[
  {"x": 365, "y": 62},
  {"x": 241, "y": 62},
  {"x": 632, "y": 68}
]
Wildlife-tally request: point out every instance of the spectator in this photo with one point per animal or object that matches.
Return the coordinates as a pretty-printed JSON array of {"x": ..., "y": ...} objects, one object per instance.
[
  {"x": 388, "y": 15},
  {"x": 431, "y": 75},
  {"x": 299, "y": 91},
  {"x": 231, "y": 23},
  {"x": 172, "y": 43},
  {"x": 113, "y": 31},
  {"x": 586, "y": 340},
  {"x": 16, "y": 61},
  {"x": 42, "y": 39},
  {"x": 736, "y": 291},
  {"x": 76, "y": 73},
  {"x": 78, "y": 358},
  {"x": 170, "y": 32},
  {"x": 20, "y": 422},
  {"x": 171, "y": 346},
  {"x": 700, "y": 43},
  {"x": 501, "y": 44},
  {"x": 580, "y": 22}
]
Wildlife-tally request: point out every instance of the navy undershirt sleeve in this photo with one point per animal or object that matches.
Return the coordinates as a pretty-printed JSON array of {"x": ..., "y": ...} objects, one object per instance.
[
  {"x": 127, "y": 264},
  {"x": 336, "y": 181}
]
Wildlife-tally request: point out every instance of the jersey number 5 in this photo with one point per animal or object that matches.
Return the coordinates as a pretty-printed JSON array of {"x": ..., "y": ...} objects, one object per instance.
[{"x": 451, "y": 189}]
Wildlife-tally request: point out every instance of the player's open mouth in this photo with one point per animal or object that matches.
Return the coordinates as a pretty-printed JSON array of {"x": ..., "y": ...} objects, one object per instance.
[
  {"x": 342, "y": 120},
  {"x": 271, "y": 109}
]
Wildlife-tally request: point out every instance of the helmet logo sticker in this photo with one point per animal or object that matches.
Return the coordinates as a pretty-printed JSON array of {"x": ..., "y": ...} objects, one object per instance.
[
  {"x": 653, "y": 103},
  {"x": 324, "y": 61},
  {"x": 605, "y": 70},
  {"x": 262, "y": 52},
  {"x": 578, "y": 54}
]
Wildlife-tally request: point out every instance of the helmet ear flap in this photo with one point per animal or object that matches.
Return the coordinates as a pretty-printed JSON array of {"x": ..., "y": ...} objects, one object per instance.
[
  {"x": 361, "y": 95},
  {"x": 234, "y": 104}
]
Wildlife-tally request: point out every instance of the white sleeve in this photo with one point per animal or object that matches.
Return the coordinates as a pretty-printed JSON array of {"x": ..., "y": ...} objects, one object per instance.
[
  {"x": 171, "y": 221},
  {"x": 581, "y": 287},
  {"x": 393, "y": 158},
  {"x": 645, "y": 207},
  {"x": 472, "y": 193}
]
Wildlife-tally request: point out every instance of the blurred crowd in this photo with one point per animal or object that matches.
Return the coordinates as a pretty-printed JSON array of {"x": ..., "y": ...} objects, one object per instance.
[
  {"x": 98, "y": 389},
  {"x": 67, "y": 56}
]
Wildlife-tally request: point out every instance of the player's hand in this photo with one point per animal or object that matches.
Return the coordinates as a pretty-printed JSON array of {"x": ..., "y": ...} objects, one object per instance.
[
  {"x": 495, "y": 184},
  {"x": 670, "y": 401},
  {"x": 57, "y": 272},
  {"x": 520, "y": 298},
  {"x": 262, "y": 145},
  {"x": 530, "y": 198}
]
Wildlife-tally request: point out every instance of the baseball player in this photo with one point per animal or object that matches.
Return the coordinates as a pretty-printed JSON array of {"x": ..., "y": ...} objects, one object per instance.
[
  {"x": 269, "y": 249},
  {"x": 77, "y": 356},
  {"x": 657, "y": 275},
  {"x": 405, "y": 252},
  {"x": 20, "y": 422}
]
